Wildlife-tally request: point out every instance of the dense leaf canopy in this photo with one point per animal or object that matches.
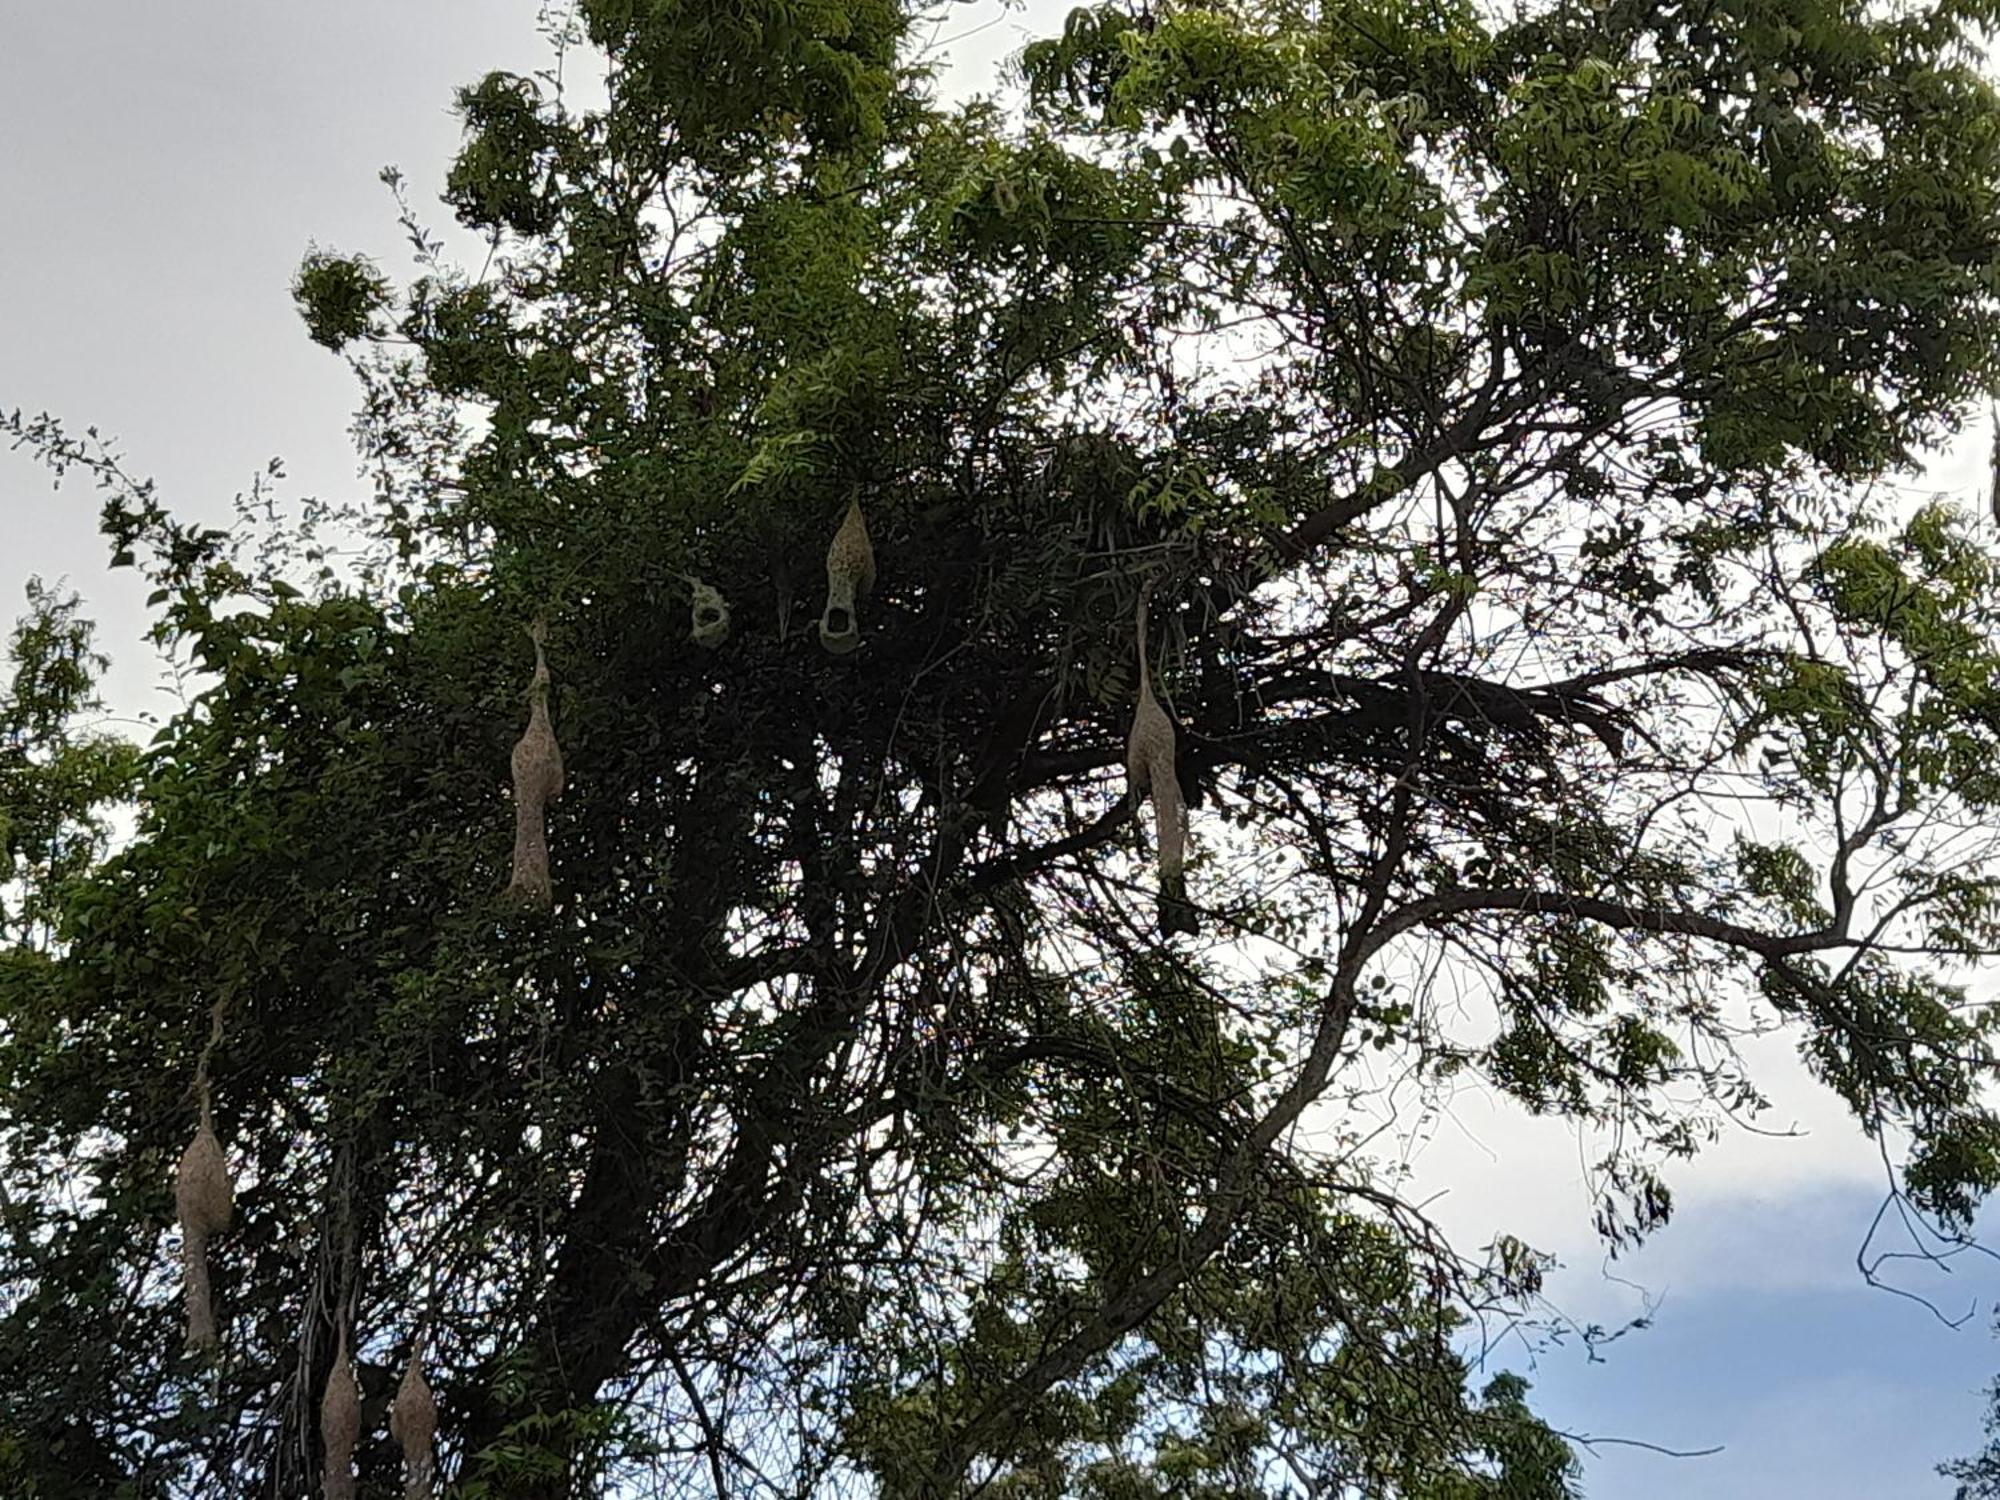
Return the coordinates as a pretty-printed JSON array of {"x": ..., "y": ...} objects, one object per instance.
[{"x": 1498, "y": 412}]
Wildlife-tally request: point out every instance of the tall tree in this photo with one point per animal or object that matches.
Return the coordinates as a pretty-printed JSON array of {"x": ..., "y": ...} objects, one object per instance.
[
  {"x": 1487, "y": 410},
  {"x": 1978, "y": 1476}
]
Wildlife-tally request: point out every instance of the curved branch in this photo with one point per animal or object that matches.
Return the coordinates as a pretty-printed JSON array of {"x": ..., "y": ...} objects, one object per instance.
[{"x": 1619, "y": 914}]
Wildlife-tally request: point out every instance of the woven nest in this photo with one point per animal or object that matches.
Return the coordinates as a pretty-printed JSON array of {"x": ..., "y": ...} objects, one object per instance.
[
  {"x": 538, "y": 781},
  {"x": 1150, "y": 771},
  {"x": 413, "y": 1423},
  {"x": 205, "y": 1203},
  {"x": 340, "y": 1424},
  {"x": 203, "y": 1197},
  {"x": 850, "y": 578},
  {"x": 708, "y": 615}
]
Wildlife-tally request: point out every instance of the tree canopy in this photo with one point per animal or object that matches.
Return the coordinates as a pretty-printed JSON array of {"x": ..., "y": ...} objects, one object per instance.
[{"x": 1498, "y": 415}]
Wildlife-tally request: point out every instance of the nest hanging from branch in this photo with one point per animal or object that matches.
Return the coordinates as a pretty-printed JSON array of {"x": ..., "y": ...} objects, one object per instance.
[
  {"x": 204, "y": 1197},
  {"x": 205, "y": 1202},
  {"x": 1149, "y": 770},
  {"x": 413, "y": 1423},
  {"x": 850, "y": 578},
  {"x": 708, "y": 614},
  {"x": 538, "y": 781},
  {"x": 1993, "y": 498},
  {"x": 340, "y": 1422}
]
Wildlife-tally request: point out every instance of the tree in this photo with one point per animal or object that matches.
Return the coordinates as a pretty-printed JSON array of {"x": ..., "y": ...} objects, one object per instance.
[
  {"x": 1492, "y": 410},
  {"x": 56, "y": 774},
  {"x": 1978, "y": 1476}
]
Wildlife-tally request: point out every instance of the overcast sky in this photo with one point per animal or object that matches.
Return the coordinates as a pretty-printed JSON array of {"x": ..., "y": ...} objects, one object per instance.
[{"x": 162, "y": 168}]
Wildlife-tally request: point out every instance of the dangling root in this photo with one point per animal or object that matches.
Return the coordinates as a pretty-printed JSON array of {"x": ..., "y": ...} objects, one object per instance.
[{"x": 538, "y": 781}]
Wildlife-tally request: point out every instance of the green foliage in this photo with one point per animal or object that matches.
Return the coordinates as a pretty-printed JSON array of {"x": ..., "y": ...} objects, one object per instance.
[
  {"x": 339, "y": 296},
  {"x": 1487, "y": 407},
  {"x": 502, "y": 178},
  {"x": 58, "y": 778},
  {"x": 727, "y": 83}
]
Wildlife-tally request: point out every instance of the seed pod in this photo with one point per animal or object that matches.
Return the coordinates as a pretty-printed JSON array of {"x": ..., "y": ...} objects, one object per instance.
[
  {"x": 710, "y": 615},
  {"x": 1149, "y": 770},
  {"x": 340, "y": 1424},
  {"x": 850, "y": 578},
  {"x": 205, "y": 1202},
  {"x": 538, "y": 781}
]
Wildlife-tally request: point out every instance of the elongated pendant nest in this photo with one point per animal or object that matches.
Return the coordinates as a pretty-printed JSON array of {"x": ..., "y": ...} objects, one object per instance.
[
  {"x": 340, "y": 1425},
  {"x": 1150, "y": 771},
  {"x": 538, "y": 781},
  {"x": 413, "y": 1423},
  {"x": 850, "y": 578},
  {"x": 205, "y": 1202}
]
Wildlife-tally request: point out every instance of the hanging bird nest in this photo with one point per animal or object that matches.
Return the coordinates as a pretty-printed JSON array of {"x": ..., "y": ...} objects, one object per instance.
[
  {"x": 708, "y": 613},
  {"x": 538, "y": 781},
  {"x": 205, "y": 1202},
  {"x": 1149, "y": 771},
  {"x": 340, "y": 1423},
  {"x": 413, "y": 1423},
  {"x": 850, "y": 578}
]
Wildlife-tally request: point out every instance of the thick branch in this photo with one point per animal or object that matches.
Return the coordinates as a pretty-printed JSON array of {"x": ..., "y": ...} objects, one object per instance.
[
  {"x": 1461, "y": 437},
  {"x": 1619, "y": 914}
]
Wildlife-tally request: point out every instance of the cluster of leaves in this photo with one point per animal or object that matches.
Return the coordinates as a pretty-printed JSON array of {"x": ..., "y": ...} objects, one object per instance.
[{"x": 1481, "y": 401}]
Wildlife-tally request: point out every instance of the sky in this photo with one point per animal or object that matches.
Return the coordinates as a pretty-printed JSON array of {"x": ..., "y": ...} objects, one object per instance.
[{"x": 163, "y": 168}]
